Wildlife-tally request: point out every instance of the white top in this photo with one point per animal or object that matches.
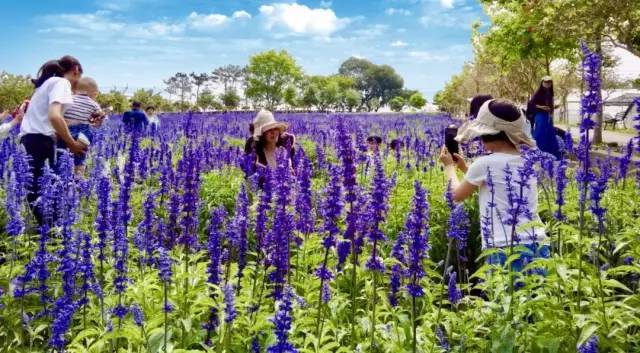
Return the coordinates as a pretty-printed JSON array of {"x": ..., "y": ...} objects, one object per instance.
[
  {"x": 5, "y": 128},
  {"x": 153, "y": 120},
  {"x": 36, "y": 119},
  {"x": 494, "y": 232}
]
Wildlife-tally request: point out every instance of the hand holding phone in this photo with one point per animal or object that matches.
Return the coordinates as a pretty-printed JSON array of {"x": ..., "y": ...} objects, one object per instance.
[{"x": 450, "y": 142}]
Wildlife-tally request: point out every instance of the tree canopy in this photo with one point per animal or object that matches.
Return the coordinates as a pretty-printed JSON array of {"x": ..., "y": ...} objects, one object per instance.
[{"x": 268, "y": 74}]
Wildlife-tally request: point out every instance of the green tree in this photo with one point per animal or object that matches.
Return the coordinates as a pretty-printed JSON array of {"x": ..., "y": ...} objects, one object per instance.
[
  {"x": 199, "y": 80},
  {"x": 290, "y": 96},
  {"x": 396, "y": 103},
  {"x": 206, "y": 100},
  {"x": 417, "y": 100},
  {"x": 181, "y": 84},
  {"x": 147, "y": 97},
  {"x": 268, "y": 74},
  {"x": 13, "y": 90},
  {"x": 373, "y": 81},
  {"x": 115, "y": 99},
  {"x": 230, "y": 99},
  {"x": 310, "y": 96},
  {"x": 228, "y": 76},
  {"x": 352, "y": 99}
]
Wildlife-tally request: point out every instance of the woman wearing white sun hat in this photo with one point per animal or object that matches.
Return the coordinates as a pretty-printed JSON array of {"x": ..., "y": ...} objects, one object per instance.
[
  {"x": 268, "y": 135},
  {"x": 501, "y": 127}
]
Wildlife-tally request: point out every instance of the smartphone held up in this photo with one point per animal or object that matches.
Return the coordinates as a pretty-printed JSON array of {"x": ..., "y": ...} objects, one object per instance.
[{"x": 450, "y": 142}]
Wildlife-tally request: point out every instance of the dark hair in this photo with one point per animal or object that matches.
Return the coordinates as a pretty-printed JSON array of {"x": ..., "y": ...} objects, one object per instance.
[
  {"x": 252, "y": 128},
  {"x": 505, "y": 110},
  {"x": 151, "y": 107},
  {"x": 136, "y": 104},
  {"x": 374, "y": 138},
  {"x": 477, "y": 102},
  {"x": 284, "y": 140},
  {"x": 542, "y": 96},
  {"x": 396, "y": 144},
  {"x": 56, "y": 68}
]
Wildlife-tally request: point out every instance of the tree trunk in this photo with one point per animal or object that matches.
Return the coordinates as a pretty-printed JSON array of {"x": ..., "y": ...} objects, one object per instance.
[{"x": 597, "y": 132}]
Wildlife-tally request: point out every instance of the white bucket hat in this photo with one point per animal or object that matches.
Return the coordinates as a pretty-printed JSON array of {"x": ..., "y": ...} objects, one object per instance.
[
  {"x": 487, "y": 123},
  {"x": 547, "y": 78},
  {"x": 264, "y": 121}
]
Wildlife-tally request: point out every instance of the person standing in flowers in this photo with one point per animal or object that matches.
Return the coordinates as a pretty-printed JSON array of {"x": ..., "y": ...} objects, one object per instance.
[
  {"x": 500, "y": 126},
  {"x": 268, "y": 135},
  {"x": 541, "y": 106},
  {"x": 44, "y": 119},
  {"x": 135, "y": 120},
  {"x": 16, "y": 118}
]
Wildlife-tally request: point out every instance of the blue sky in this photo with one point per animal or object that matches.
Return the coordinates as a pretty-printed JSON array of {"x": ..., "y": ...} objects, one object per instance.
[{"x": 138, "y": 43}]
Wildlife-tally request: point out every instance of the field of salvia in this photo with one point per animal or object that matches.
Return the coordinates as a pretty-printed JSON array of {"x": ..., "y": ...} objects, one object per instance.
[{"x": 168, "y": 245}]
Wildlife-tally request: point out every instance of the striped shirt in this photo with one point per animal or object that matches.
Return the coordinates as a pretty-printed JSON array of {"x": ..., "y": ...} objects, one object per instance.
[{"x": 81, "y": 111}]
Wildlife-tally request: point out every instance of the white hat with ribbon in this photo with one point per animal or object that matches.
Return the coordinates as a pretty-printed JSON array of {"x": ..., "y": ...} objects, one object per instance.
[{"x": 264, "y": 121}]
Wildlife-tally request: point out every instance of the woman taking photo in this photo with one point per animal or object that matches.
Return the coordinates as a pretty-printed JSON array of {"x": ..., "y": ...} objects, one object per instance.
[
  {"x": 44, "y": 119},
  {"x": 541, "y": 104}
]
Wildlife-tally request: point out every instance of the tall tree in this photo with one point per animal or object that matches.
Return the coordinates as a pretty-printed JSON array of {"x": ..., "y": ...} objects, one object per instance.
[
  {"x": 227, "y": 76},
  {"x": 268, "y": 74},
  {"x": 199, "y": 80},
  {"x": 373, "y": 81},
  {"x": 182, "y": 85}
]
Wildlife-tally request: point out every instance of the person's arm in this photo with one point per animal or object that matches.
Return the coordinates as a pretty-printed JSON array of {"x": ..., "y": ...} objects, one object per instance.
[
  {"x": 543, "y": 107},
  {"x": 460, "y": 190},
  {"x": 62, "y": 130}
]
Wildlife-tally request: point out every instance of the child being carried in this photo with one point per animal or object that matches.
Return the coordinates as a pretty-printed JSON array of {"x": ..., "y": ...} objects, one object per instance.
[{"x": 81, "y": 116}]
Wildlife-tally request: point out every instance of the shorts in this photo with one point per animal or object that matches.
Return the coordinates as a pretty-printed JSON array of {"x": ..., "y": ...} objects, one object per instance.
[
  {"x": 533, "y": 251},
  {"x": 75, "y": 131}
]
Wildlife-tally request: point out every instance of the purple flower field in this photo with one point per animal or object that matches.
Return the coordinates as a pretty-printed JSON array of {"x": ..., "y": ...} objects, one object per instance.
[{"x": 172, "y": 244}]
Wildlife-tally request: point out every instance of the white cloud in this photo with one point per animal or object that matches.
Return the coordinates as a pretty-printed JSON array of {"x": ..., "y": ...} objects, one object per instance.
[
  {"x": 447, "y": 3},
  {"x": 428, "y": 56},
  {"x": 302, "y": 20},
  {"x": 450, "y": 19},
  {"x": 370, "y": 32},
  {"x": 210, "y": 21},
  {"x": 399, "y": 44},
  {"x": 393, "y": 11},
  {"x": 242, "y": 14}
]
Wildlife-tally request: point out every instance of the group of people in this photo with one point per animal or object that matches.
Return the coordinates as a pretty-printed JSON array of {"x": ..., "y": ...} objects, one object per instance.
[
  {"x": 63, "y": 111},
  {"x": 502, "y": 128},
  {"x": 62, "y": 114}
]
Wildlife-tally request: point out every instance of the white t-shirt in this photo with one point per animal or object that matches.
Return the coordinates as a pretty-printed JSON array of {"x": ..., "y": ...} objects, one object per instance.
[
  {"x": 36, "y": 119},
  {"x": 153, "y": 120},
  {"x": 5, "y": 128},
  {"x": 494, "y": 232}
]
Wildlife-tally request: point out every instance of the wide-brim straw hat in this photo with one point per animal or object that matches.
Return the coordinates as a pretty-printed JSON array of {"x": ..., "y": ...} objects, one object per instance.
[
  {"x": 486, "y": 123},
  {"x": 264, "y": 121}
]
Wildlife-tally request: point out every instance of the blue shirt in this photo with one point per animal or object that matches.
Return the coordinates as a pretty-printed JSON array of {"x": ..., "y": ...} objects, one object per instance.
[{"x": 135, "y": 119}]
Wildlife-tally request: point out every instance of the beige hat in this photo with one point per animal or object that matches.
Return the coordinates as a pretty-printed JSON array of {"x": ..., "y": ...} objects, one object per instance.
[
  {"x": 264, "y": 121},
  {"x": 547, "y": 78},
  {"x": 487, "y": 123}
]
